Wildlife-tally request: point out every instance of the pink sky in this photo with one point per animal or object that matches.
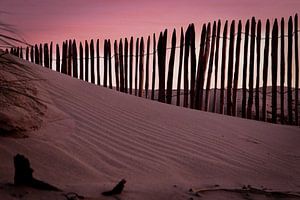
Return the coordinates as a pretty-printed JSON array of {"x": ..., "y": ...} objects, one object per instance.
[{"x": 56, "y": 20}]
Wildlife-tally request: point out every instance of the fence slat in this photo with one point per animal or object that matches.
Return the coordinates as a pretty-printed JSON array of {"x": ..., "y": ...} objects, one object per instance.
[
  {"x": 69, "y": 58},
  {"x": 216, "y": 66},
  {"x": 296, "y": 71},
  {"x": 245, "y": 69},
  {"x": 153, "y": 68},
  {"x": 136, "y": 66},
  {"x": 92, "y": 55},
  {"x": 180, "y": 67},
  {"x": 171, "y": 69},
  {"x": 121, "y": 66},
  {"x": 50, "y": 53},
  {"x": 126, "y": 65},
  {"x": 105, "y": 63},
  {"x": 57, "y": 58},
  {"x": 109, "y": 64},
  {"x": 98, "y": 61},
  {"x": 186, "y": 69},
  {"x": 282, "y": 70},
  {"x": 141, "y": 68},
  {"x": 37, "y": 55},
  {"x": 258, "y": 41},
  {"x": 41, "y": 54},
  {"x": 193, "y": 65},
  {"x": 147, "y": 68},
  {"x": 289, "y": 70},
  {"x": 130, "y": 64},
  {"x": 236, "y": 69},
  {"x": 200, "y": 66},
  {"x": 223, "y": 66},
  {"x": 86, "y": 61},
  {"x": 81, "y": 61},
  {"x": 206, "y": 55},
  {"x": 64, "y": 58},
  {"x": 230, "y": 68},
  {"x": 46, "y": 55},
  {"x": 161, "y": 52},
  {"x": 274, "y": 55},
  {"x": 27, "y": 53},
  {"x": 210, "y": 68},
  {"x": 116, "y": 65},
  {"x": 251, "y": 68},
  {"x": 32, "y": 54},
  {"x": 265, "y": 71},
  {"x": 75, "y": 66}
]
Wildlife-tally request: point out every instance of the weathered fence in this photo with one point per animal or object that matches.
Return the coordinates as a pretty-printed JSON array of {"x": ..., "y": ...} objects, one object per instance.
[{"x": 236, "y": 56}]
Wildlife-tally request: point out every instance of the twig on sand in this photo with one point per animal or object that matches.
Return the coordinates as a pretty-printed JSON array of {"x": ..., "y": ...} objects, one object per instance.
[{"x": 248, "y": 190}]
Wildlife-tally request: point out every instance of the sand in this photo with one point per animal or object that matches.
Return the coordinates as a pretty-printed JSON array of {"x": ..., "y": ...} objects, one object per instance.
[{"x": 91, "y": 137}]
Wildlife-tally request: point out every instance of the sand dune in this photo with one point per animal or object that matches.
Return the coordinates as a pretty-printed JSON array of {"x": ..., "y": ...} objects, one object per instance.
[{"x": 91, "y": 137}]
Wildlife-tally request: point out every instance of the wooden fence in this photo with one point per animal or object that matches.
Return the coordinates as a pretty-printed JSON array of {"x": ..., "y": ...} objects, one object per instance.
[{"x": 266, "y": 57}]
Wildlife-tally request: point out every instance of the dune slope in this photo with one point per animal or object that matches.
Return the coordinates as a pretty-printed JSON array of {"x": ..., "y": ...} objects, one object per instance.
[{"x": 91, "y": 137}]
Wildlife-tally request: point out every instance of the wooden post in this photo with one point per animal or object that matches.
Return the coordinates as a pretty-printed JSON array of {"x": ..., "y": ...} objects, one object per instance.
[
  {"x": 251, "y": 68},
  {"x": 32, "y": 54},
  {"x": 210, "y": 68},
  {"x": 186, "y": 67},
  {"x": 200, "y": 66},
  {"x": 117, "y": 65},
  {"x": 75, "y": 65},
  {"x": 171, "y": 69},
  {"x": 64, "y": 58},
  {"x": 126, "y": 65},
  {"x": 121, "y": 66},
  {"x": 230, "y": 68},
  {"x": 46, "y": 55},
  {"x": 216, "y": 65},
  {"x": 86, "y": 48},
  {"x": 141, "y": 68},
  {"x": 130, "y": 64},
  {"x": 37, "y": 55},
  {"x": 50, "y": 61},
  {"x": 265, "y": 71},
  {"x": 296, "y": 71},
  {"x": 258, "y": 40},
  {"x": 109, "y": 65},
  {"x": 98, "y": 61},
  {"x": 105, "y": 63},
  {"x": 69, "y": 58},
  {"x": 282, "y": 71},
  {"x": 27, "y": 53},
  {"x": 153, "y": 67},
  {"x": 274, "y": 70},
  {"x": 147, "y": 68},
  {"x": 41, "y": 55},
  {"x": 245, "y": 69},
  {"x": 224, "y": 47},
  {"x": 289, "y": 70},
  {"x": 236, "y": 70},
  {"x": 180, "y": 67},
  {"x": 57, "y": 58},
  {"x": 92, "y": 54},
  {"x": 193, "y": 65},
  {"x": 81, "y": 61},
  {"x": 136, "y": 66},
  {"x": 21, "y": 52}
]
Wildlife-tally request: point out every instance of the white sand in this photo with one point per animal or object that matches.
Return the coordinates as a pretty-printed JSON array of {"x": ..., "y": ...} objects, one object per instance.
[{"x": 92, "y": 137}]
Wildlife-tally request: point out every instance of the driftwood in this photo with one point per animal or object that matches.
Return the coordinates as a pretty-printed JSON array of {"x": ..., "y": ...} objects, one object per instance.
[
  {"x": 116, "y": 190},
  {"x": 23, "y": 175}
]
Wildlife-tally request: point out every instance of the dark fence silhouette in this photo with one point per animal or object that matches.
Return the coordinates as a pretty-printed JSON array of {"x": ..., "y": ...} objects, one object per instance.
[{"x": 255, "y": 54}]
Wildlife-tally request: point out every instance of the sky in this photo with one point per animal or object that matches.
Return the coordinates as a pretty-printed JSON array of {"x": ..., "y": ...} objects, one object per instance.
[{"x": 56, "y": 20}]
